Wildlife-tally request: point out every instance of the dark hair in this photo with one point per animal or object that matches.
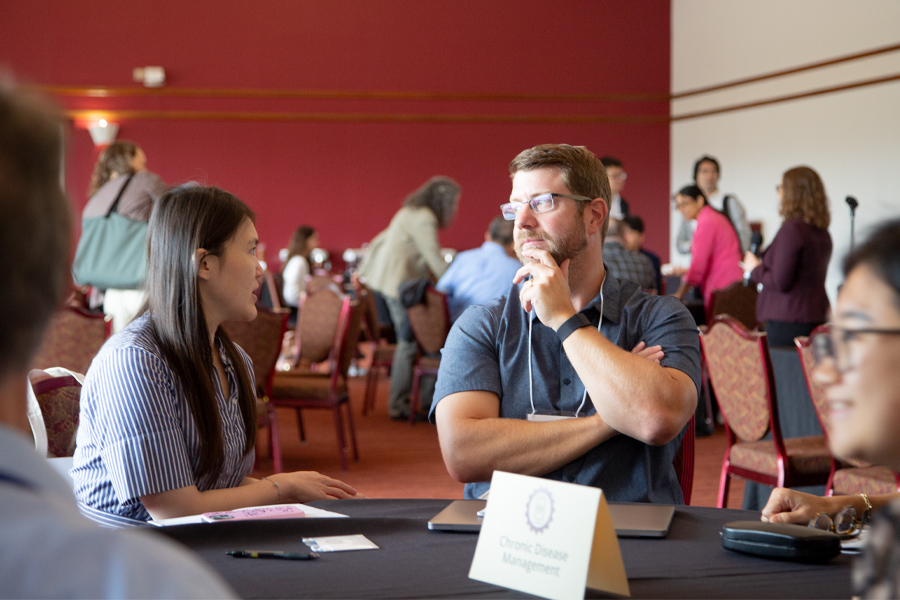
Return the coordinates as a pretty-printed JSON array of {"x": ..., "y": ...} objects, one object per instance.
[
  {"x": 611, "y": 161},
  {"x": 804, "y": 197},
  {"x": 297, "y": 247},
  {"x": 881, "y": 253},
  {"x": 582, "y": 173},
  {"x": 703, "y": 159},
  {"x": 501, "y": 231},
  {"x": 115, "y": 158},
  {"x": 634, "y": 223},
  {"x": 35, "y": 222},
  {"x": 692, "y": 191},
  {"x": 441, "y": 195},
  {"x": 184, "y": 220}
]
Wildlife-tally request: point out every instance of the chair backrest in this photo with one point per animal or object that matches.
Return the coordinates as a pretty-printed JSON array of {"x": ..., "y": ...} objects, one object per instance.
[
  {"x": 740, "y": 371},
  {"x": 349, "y": 339},
  {"x": 74, "y": 337},
  {"x": 318, "y": 324},
  {"x": 261, "y": 339},
  {"x": 737, "y": 300},
  {"x": 58, "y": 395},
  {"x": 318, "y": 282},
  {"x": 430, "y": 321},
  {"x": 270, "y": 292},
  {"x": 684, "y": 461}
]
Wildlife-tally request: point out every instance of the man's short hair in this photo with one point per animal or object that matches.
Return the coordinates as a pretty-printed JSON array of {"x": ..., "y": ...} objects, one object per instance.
[
  {"x": 501, "y": 231},
  {"x": 703, "y": 159},
  {"x": 611, "y": 161},
  {"x": 634, "y": 223},
  {"x": 35, "y": 223},
  {"x": 581, "y": 171}
]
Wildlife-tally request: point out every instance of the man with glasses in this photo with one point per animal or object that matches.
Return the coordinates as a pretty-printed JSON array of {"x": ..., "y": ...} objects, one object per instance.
[{"x": 536, "y": 382}]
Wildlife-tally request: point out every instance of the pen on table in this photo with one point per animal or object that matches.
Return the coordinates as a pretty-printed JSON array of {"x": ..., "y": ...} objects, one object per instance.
[{"x": 273, "y": 554}]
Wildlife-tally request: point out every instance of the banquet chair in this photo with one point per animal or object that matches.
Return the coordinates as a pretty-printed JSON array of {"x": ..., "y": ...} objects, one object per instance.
[
  {"x": 430, "y": 323},
  {"x": 56, "y": 393},
  {"x": 684, "y": 462},
  {"x": 382, "y": 350},
  {"x": 847, "y": 477},
  {"x": 740, "y": 372},
  {"x": 737, "y": 300},
  {"x": 74, "y": 337},
  {"x": 324, "y": 312},
  {"x": 261, "y": 340}
]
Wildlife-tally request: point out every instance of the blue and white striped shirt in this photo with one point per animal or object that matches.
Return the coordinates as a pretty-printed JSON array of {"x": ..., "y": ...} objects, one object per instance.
[{"x": 136, "y": 434}]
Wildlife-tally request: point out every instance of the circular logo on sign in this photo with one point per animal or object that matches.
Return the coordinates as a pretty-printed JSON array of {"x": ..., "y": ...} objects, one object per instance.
[{"x": 539, "y": 511}]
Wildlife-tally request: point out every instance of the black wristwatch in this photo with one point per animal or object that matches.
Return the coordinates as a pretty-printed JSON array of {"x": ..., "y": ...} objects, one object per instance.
[{"x": 576, "y": 321}]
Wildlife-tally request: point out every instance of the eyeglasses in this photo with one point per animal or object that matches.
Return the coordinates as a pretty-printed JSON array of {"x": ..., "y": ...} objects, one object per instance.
[
  {"x": 680, "y": 205},
  {"x": 778, "y": 187},
  {"x": 845, "y": 524},
  {"x": 831, "y": 347},
  {"x": 539, "y": 204},
  {"x": 623, "y": 175}
]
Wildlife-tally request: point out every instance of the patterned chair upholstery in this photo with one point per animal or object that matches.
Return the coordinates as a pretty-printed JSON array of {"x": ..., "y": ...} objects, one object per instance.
[
  {"x": 430, "y": 323},
  {"x": 300, "y": 388},
  {"x": 847, "y": 476},
  {"x": 261, "y": 340},
  {"x": 58, "y": 396},
  {"x": 73, "y": 339},
  {"x": 740, "y": 372},
  {"x": 737, "y": 300}
]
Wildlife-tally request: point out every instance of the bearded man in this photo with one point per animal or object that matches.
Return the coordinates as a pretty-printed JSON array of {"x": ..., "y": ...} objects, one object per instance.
[{"x": 538, "y": 382}]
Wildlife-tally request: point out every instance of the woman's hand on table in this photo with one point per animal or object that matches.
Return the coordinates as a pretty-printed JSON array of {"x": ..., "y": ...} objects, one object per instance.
[
  {"x": 307, "y": 486},
  {"x": 791, "y": 506}
]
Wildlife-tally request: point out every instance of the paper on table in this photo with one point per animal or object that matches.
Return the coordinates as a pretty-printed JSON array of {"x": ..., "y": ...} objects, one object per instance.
[
  {"x": 339, "y": 543},
  {"x": 309, "y": 512}
]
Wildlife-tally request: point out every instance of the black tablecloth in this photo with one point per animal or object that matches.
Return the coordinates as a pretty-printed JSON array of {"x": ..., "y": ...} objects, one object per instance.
[
  {"x": 413, "y": 562},
  {"x": 796, "y": 414}
]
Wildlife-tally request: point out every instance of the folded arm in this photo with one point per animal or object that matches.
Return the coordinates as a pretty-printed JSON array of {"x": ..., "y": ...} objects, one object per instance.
[{"x": 475, "y": 441}]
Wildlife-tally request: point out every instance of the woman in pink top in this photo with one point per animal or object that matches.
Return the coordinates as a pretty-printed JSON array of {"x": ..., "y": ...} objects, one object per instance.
[{"x": 716, "y": 252}]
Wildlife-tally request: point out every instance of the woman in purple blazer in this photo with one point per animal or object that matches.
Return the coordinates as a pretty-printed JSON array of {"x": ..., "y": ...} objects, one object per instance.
[{"x": 792, "y": 270}]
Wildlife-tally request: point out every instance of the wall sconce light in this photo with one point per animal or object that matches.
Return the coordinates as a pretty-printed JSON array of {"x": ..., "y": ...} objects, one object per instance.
[{"x": 103, "y": 133}]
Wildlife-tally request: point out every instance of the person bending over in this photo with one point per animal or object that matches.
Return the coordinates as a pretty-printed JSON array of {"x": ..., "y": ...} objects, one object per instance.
[
  {"x": 544, "y": 349},
  {"x": 168, "y": 409}
]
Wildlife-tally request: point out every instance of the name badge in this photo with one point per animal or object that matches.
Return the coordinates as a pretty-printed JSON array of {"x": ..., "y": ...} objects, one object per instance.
[{"x": 548, "y": 538}]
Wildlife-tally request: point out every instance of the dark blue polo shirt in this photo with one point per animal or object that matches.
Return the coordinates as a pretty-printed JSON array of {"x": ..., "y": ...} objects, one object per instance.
[{"x": 488, "y": 350}]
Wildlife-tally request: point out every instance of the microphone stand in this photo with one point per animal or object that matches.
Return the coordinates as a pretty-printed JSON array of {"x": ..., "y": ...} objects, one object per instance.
[{"x": 852, "y": 203}]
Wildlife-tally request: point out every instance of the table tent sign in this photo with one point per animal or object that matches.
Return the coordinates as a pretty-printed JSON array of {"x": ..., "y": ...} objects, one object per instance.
[{"x": 548, "y": 538}]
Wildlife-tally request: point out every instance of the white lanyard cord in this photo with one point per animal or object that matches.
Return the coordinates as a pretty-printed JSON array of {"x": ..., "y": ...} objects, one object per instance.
[{"x": 530, "y": 353}]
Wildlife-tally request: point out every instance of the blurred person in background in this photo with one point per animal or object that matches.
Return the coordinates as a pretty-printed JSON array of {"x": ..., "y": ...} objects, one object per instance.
[
  {"x": 716, "y": 255},
  {"x": 409, "y": 249},
  {"x": 792, "y": 270},
  {"x": 618, "y": 207},
  {"x": 633, "y": 234},
  {"x": 296, "y": 266},
  {"x": 122, "y": 169},
  {"x": 706, "y": 177}
]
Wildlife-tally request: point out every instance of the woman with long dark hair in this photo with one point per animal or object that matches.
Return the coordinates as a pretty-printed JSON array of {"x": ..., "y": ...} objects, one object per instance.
[
  {"x": 168, "y": 409},
  {"x": 792, "y": 271},
  {"x": 296, "y": 265}
]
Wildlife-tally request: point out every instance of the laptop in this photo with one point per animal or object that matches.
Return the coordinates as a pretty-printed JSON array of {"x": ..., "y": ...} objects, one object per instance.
[{"x": 629, "y": 519}]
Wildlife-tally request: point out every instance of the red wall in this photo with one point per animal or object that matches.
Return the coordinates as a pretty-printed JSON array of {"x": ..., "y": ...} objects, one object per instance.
[{"x": 343, "y": 175}]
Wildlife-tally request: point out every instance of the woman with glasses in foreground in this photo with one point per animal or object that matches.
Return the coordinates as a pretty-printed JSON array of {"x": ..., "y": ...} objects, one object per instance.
[
  {"x": 168, "y": 408},
  {"x": 859, "y": 363}
]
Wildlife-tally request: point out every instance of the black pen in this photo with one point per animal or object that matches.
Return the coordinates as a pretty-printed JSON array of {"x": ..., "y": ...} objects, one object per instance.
[{"x": 273, "y": 554}]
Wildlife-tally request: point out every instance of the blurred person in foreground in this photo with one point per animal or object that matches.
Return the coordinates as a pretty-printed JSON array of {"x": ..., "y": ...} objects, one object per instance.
[
  {"x": 49, "y": 549},
  {"x": 792, "y": 270},
  {"x": 857, "y": 363},
  {"x": 481, "y": 274}
]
